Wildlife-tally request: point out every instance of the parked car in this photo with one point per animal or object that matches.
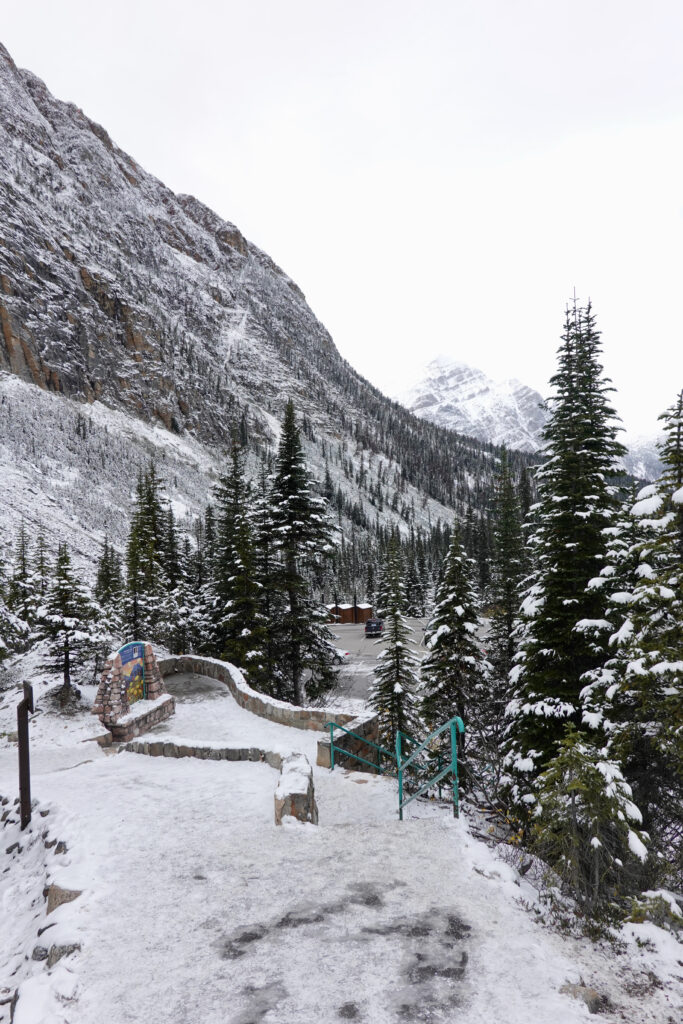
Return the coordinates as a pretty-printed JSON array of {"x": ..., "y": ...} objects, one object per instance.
[{"x": 374, "y": 627}]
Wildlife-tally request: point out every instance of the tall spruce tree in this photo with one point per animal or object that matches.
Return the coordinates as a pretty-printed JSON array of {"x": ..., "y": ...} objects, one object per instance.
[
  {"x": 109, "y": 589},
  {"x": 271, "y": 599},
  {"x": 40, "y": 570},
  {"x": 557, "y": 641},
  {"x": 68, "y": 619},
  {"x": 205, "y": 575},
  {"x": 147, "y": 607},
  {"x": 455, "y": 675},
  {"x": 12, "y": 628},
  {"x": 190, "y": 624},
  {"x": 302, "y": 540},
  {"x": 507, "y": 574},
  {"x": 240, "y": 626},
  {"x": 507, "y": 571},
  {"x": 385, "y": 592},
  {"x": 636, "y": 697},
  {"x": 21, "y": 596},
  {"x": 393, "y": 690}
]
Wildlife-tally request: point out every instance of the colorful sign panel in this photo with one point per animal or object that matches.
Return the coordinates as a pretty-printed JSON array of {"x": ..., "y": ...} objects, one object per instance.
[{"x": 133, "y": 665}]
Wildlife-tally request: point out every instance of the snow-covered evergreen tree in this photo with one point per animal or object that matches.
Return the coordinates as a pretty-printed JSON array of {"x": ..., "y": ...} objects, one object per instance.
[
  {"x": 204, "y": 573},
  {"x": 303, "y": 540},
  {"x": 148, "y": 608},
  {"x": 188, "y": 620},
  {"x": 636, "y": 697},
  {"x": 240, "y": 627},
  {"x": 558, "y": 643},
  {"x": 109, "y": 591},
  {"x": 12, "y": 628},
  {"x": 271, "y": 599},
  {"x": 68, "y": 619},
  {"x": 393, "y": 691},
  {"x": 507, "y": 574},
  {"x": 40, "y": 570},
  {"x": 21, "y": 595},
  {"x": 586, "y": 825},
  {"x": 385, "y": 586},
  {"x": 455, "y": 675}
]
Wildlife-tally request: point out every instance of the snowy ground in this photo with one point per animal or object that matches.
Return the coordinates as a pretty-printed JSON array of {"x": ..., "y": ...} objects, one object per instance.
[{"x": 197, "y": 908}]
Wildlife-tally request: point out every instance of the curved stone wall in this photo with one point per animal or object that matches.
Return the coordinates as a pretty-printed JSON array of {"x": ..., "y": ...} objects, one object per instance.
[{"x": 258, "y": 703}]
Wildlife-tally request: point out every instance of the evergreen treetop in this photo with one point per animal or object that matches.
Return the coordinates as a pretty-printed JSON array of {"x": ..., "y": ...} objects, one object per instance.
[
  {"x": 558, "y": 643},
  {"x": 454, "y": 671},
  {"x": 393, "y": 691},
  {"x": 302, "y": 541}
]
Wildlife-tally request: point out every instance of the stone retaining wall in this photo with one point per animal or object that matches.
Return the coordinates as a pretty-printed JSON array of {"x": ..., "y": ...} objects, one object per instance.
[
  {"x": 142, "y": 716},
  {"x": 365, "y": 726},
  {"x": 159, "y": 748},
  {"x": 295, "y": 794},
  {"x": 258, "y": 703}
]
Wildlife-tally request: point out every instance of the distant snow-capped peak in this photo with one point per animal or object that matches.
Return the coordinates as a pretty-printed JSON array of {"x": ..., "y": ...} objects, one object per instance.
[
  {"x": 453, "y": 394},
  {"x": 456, "y": 395}
]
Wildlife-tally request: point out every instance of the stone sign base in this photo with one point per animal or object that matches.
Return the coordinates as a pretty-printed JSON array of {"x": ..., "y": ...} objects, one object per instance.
[
  {"x": 142, "y": 716},
  {"x": 112, "y": 704}
]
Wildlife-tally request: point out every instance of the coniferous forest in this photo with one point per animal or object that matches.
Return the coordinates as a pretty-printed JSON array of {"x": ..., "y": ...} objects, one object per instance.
[{"x": 553, "y": 612}]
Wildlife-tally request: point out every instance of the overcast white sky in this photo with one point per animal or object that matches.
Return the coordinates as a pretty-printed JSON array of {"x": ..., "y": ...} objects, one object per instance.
[{"x": 437, "y": 176}]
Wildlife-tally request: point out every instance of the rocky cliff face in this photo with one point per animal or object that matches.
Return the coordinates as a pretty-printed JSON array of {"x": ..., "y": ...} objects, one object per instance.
[
  {"x": 135, "y": 322},
  {"x": 458, "y": 396},
  {"x": 114, "y": 288}
]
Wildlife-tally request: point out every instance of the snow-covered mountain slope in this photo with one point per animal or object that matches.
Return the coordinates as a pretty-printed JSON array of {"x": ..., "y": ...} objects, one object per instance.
[
  {"x": 116, "y": 294},
  {"x": 455, "y": 395},
  {"x": 458, "y": 396},
  {"x": 642, "y": 459},
  {"x": 69, "y": 469}
]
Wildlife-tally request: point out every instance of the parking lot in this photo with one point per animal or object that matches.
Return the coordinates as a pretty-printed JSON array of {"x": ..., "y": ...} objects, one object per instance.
[{"x": 356, "y": 674}]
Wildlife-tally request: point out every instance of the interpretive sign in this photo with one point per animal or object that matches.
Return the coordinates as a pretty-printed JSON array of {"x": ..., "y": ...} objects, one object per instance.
[
  {"x": 131, "y": 696},
  {"x": 133, "y": 670}
]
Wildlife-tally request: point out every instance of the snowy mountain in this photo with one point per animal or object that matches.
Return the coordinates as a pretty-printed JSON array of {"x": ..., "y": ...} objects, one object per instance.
[
  {"x": 642, "y": 459},
  {"x": 135, "y": 322},
  {"x": 453, "y": 394}
]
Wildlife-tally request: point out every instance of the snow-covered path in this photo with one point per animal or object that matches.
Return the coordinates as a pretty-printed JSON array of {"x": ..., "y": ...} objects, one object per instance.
[{"x": 197, "y": 909}]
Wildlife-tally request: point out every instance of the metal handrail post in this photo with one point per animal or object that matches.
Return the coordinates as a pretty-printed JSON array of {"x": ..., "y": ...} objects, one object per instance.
[
  {"x": 454, "y": 769},
  {"x": 331, "y": 725},
  {"x": 400, "y": 776}
]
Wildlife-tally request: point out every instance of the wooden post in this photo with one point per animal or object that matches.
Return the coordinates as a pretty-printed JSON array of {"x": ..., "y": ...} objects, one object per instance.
[{"x": 23, "y": 708}]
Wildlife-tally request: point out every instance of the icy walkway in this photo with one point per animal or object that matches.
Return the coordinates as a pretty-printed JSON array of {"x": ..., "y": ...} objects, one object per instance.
[
  {"x": 197, "y": 909},
  {"x": 206, "y": 712}
]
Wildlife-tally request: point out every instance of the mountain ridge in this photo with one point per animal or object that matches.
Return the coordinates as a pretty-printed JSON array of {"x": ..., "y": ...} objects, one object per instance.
[
  {"x": 456, "y": 395},
  {"x": 114, "y": 291}
]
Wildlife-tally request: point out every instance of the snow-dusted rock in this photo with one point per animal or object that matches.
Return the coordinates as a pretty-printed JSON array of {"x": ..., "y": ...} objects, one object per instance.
[{"x": 295, "y": 794}]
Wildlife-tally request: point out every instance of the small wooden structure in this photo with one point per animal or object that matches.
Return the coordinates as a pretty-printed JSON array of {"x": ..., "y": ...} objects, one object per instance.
[{"x": 343, "y": 614}]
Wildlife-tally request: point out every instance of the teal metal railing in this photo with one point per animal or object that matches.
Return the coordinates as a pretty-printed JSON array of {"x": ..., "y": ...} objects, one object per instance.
[
  {"x": 402, "y": 766},
  {"x": 376, "y": 764},
  {"x": 454, "y": 726}
]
